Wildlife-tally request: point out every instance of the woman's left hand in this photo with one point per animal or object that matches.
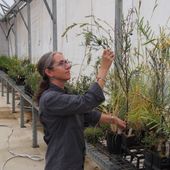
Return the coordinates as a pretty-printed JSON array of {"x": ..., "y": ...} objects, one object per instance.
[
  {"x": 119, "y": 122},
  {"x": 107, "y": 118}
]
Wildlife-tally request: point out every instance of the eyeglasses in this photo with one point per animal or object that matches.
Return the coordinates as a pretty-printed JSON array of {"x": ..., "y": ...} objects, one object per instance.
[{"x": 62, "y": 63}]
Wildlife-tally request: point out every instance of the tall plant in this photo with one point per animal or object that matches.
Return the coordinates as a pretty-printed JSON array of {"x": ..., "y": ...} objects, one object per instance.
[
  {"x": 99, "y": 35},
  {"x": 155, "y": 50}
]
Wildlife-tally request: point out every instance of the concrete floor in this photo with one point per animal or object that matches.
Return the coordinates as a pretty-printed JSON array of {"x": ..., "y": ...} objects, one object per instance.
[{"x": 19, "y": 140}]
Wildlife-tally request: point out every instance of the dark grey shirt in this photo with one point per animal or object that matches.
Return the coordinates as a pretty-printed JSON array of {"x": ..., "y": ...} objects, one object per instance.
[{"x": 64, "y": 117}]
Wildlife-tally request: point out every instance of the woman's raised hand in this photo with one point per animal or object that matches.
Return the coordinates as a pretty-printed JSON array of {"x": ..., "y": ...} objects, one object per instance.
[{"x": 106, "y": 61}]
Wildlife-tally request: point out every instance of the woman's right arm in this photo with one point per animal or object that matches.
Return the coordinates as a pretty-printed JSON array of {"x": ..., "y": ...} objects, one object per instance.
[
  {"x": 106, "y": 61},
  {"x": 65, "y": 104},
  {"x": 61, "y": 104}
]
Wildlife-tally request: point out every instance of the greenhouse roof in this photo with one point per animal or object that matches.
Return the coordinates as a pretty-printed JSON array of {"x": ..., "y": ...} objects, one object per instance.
[
  {"x": 5, "y": 5},
  {"x": 8, "y": 8}
]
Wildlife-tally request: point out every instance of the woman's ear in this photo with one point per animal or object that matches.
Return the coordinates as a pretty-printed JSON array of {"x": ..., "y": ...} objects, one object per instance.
[{"x": 48, "y": 72}]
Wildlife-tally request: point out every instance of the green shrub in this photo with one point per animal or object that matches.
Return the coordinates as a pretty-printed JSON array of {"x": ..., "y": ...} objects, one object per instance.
[
  {"x": 16, "y": 70},
  {"x": 93, "y": 135},
  {"x": 4, "y": 63},
  {"x": 32, "y": 82},
  {"x": 80, "y": 86}
]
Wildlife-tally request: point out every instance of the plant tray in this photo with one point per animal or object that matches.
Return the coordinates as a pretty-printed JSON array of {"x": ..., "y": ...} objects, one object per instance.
[{"x": 112, "y": 162}]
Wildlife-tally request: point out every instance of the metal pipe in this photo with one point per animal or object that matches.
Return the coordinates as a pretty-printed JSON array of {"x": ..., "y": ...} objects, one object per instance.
[
  {"x": 22, "y": 112},
  {"x": 19, "y": 5},
  {"x": 7, "y": 95},
  {"x": 2, "y": 88},
  {"x": 11, "y": 9},
  {"x": 54, "y": 6},
  {"x": 48, "y": 9},
  {"x": 5, "y": 3},
  {"x": 23, "y": 20},
  {"x": 118, "y": 27},
  {"x": 16, "y": 37},
  {"x": 13, "y": 100},
  {"x": 34, "y": 128},
  {"x": 29, "y": 30}
]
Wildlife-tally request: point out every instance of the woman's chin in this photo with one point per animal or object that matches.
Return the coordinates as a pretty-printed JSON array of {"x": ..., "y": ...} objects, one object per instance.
[{"x": 68, "y": 78}]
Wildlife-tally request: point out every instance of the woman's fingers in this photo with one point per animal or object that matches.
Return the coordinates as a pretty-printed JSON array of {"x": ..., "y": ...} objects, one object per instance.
[
  {"x": 108, "y": 53},
  {"x": 121, "y": 123}
]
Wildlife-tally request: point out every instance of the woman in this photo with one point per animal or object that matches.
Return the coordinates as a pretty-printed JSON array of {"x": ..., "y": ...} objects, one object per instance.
[{"x": 64, "y": 116}]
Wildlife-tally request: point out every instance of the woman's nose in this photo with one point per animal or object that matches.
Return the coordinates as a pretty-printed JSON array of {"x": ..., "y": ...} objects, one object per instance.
[{"x": 68, "y": 66}]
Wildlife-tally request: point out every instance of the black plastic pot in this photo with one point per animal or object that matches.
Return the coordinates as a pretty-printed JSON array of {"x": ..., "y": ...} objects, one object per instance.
[
  {"x": 4, "y": 69},
  {"x": 20, "y": 81},
  {"x": 153, "y": 161},
  {"x": 160, "y": 163},
  {"x": 148, "y": 160},
  {"x": 129, "y": 141},
  {"x": 114, "y": 143},
  {"x": 28, "y": 91}
]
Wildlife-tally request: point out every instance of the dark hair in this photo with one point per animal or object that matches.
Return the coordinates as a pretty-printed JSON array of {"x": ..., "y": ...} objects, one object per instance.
[{"x": 46, "y": 61}]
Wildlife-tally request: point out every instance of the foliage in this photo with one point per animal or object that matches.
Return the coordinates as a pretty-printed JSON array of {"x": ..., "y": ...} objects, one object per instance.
[
  {"x": 94, "y": 34},
  {"x": 80, "y": 86},
  {"x": 150, "y": 141},
  {"x": 93, "y": 135},
  {"x": 16, "y": 70},
  {"x": 22, "y": 71},
  {"x": 32, "y": 82},
  {"x": 4, "y": 63},
  {"x": 138, "y": 87},
  {"x": 157, "y": 50}
]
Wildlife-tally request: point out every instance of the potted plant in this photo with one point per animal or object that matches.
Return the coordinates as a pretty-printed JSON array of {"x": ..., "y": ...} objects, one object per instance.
[
  {"x": 97, "y": 37},
  {"x": 159, "y": 99},
  {"x": 93, "y": 135},
  {"x": 138, "y": 86},
  {"x": 4, "y": 63},
  {"x": 32, "y": 82},
  {"x": 16, "y": 71}
]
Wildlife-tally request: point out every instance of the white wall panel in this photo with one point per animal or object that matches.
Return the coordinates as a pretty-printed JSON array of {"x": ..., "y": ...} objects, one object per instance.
[
  {"x": 104, "y": 11},
  {"x": 41, "y": 29},
  {"x": 74, "y": 12},
  {"x": 36, "y": 32},
  {"x": 11, "y": 38},
  {"x": 3, "y": 40},
  {"x": 68, "y": 12},
  {"x": 46, "y": 28},
  {"x": 160, "y": 16},
  {"x": 22, "y": 34}
]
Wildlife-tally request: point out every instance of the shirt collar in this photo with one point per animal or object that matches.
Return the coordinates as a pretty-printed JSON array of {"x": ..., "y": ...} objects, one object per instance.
[{"x": 57, "y": 88}]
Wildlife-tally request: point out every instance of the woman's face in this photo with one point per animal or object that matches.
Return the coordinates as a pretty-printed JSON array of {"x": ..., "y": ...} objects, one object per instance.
[{"x": 60, "y": 69}]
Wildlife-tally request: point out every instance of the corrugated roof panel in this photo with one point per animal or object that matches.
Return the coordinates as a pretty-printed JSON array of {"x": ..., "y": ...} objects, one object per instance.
[{"x": 5, "y": 6}]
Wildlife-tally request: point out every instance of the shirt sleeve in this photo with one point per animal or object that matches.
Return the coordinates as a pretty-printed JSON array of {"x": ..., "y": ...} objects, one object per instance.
[
  {"x": 61, "y": 104},
  {"x": 91, "y": 118}
]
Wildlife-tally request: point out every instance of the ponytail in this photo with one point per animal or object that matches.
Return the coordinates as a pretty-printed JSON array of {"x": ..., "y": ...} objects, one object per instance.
[
  {"x": 46, "y": 61},
  {"x": 44, "y": 85}
]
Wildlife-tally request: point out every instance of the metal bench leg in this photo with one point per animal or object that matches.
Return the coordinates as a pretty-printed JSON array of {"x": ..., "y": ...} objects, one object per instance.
[
  {"x": 7, "y": 95},
  {"x": 22, "y": 112},
  {"x": 34, "y": 128},
  {"x": 13, "y": 100}
]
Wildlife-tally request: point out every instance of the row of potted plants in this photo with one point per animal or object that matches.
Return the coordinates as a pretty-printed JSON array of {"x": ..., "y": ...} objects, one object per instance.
[{"x": 22, "y": 72}]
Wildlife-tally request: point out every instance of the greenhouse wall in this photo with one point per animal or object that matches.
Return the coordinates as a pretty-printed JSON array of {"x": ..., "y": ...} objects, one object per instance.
[
  {"x": 69, "y": 12},
  {"x": 22, "y": 35},
  {"x": 11, "y": 38},
  {"x": 3, "y": 40}
]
